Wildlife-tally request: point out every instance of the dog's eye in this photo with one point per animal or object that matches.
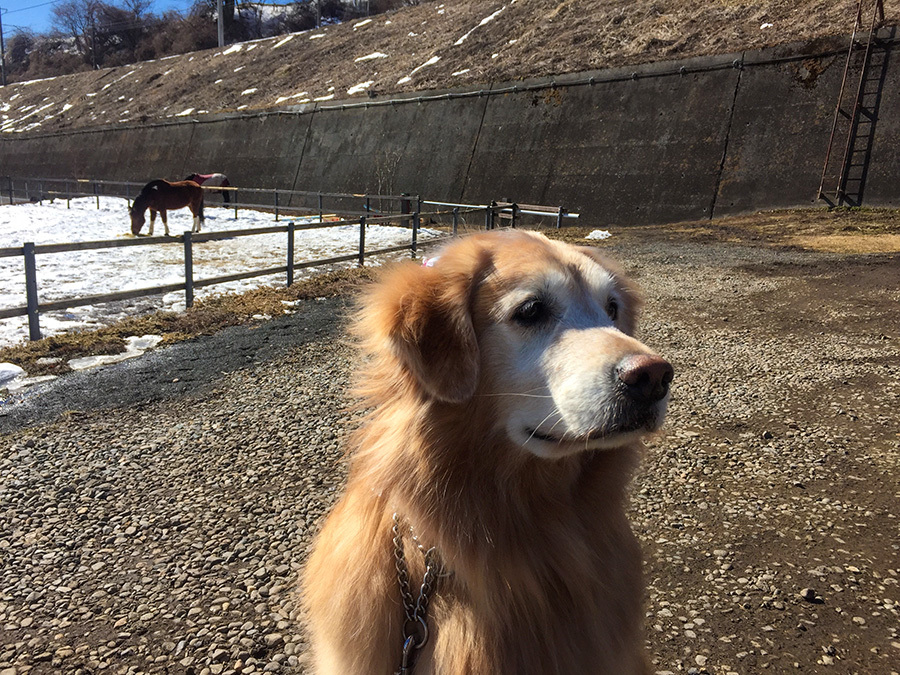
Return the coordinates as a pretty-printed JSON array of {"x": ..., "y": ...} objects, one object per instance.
[
  {"x": 532, "y": 312},
  {"x": 612, "y": 308}
]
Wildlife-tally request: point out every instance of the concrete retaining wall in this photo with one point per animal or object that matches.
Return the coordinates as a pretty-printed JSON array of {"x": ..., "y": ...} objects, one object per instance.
[{"x": 658, "y": 143}]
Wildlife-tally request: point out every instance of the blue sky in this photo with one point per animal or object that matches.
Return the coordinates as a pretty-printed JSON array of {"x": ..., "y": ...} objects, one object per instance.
[{"x": 37, "y": 15}]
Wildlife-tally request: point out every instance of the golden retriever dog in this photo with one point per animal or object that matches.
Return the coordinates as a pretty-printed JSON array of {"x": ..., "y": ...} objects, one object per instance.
[{"x": 482, "y": 530}]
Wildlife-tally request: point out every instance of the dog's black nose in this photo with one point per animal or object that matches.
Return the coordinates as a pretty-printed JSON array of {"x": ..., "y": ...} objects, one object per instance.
[{"x": 646, "y": 377}]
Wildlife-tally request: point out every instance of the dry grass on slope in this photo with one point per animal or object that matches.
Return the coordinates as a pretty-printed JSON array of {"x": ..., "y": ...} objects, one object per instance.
[{"x": 461, "y": 47}]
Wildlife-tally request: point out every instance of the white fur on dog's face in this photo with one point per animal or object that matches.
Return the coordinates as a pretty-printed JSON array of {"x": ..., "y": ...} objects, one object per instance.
[{"x": 552, "y": 346}]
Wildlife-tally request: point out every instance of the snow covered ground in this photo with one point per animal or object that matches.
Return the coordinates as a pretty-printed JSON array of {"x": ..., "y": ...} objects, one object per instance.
[{"x": 84, "y": 273}]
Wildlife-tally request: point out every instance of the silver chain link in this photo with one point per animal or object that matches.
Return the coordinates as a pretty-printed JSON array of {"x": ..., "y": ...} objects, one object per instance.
[{"x": 415, "y": 629}]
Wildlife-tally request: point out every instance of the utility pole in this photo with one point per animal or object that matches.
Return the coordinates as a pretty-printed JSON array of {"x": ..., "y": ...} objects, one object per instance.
[
  {"x": 2, "y": 52},
  {"x": 93, "y": 39},
  {"x": 221, "y": 22}
]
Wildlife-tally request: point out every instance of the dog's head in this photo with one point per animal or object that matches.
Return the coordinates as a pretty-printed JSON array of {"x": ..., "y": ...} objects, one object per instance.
[{"x": 537, "y": 331}]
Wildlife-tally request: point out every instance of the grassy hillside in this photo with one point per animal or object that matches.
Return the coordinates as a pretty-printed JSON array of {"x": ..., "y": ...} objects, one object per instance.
[{"x": 434, "y": 45}]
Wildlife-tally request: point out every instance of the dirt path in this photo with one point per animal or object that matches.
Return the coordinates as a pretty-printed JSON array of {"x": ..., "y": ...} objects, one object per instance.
[{"x": 768, "y": 510}]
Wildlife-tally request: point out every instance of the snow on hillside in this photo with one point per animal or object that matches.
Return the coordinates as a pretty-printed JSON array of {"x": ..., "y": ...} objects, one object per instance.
[
  {"x": 229, "y": 62},
  {"x": 432, "y": 45},
  {"x": 92, "y": 272}
]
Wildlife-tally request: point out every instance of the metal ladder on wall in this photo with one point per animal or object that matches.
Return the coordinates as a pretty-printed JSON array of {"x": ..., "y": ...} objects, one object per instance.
[{"x": 855, "y": 117}]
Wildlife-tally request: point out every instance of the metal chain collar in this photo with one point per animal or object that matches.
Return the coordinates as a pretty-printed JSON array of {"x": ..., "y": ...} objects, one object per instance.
[{"x": 415, "y": 628}]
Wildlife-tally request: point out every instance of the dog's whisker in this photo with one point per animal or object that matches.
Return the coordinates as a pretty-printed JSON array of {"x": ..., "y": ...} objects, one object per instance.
[
  {"x": 555, "y": 411},
  {"x": 515, "y": 393}
]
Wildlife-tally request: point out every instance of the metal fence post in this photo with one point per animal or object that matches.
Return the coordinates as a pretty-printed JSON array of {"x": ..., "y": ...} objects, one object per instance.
[
  {"x": 455, "y": 220},
  {"x": 320, "y": 207},
  {"x": 276, "y": 205},
  {"x": 415, "y": 231},
  {"x": 31, "y": 292},
  {"x": 362, "y": 241},
  {"x": 404, "y": 209},
  {"x": 41, "y": 192},
  {"x": 96, "y": 194},
  {"x": 10, "y": 184},
  {"x": 487, "y": 217},
  {"x": 559, "y": 217},
  {"x": 188, "y": 271},
  {"x": 290, "y": 254},
  {"x": 235, "y": 204}
]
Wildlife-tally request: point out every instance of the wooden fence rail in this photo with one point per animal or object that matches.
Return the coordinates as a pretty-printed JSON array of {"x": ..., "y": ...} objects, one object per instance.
[
  {"x": 409, "y": 214},
  {"x": 29, "y": 251}
]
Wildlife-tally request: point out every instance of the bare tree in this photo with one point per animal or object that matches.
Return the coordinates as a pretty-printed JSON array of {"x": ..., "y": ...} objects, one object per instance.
[{"x": 78, "y": 20}]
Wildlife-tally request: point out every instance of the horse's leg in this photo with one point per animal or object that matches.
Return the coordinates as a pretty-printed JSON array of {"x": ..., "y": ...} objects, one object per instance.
[
  {"x": 152, "y": 220},
  {"x": 197, "y": 210},
  {"x": 165, "y": 219}
]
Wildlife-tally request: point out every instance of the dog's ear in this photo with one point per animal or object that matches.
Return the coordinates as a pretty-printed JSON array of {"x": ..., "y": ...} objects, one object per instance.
[{"x": 422, "y": 317}]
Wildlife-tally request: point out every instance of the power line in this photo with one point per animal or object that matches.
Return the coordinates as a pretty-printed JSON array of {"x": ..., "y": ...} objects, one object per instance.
[{"x": 24, "y": 9}]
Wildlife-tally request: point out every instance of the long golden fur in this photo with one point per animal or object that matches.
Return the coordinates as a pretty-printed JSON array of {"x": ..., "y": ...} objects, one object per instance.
[{"x": 540, "y": 571}]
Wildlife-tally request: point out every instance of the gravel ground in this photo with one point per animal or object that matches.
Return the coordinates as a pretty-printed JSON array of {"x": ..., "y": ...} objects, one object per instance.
[{"x": 149, "y": 525}]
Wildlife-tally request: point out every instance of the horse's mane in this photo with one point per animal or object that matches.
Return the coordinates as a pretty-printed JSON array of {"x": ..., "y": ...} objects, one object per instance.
[{"x": 141, "y": 200}]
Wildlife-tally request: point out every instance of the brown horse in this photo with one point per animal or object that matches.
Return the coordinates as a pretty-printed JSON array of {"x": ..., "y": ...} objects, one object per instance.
[{"x": 161, "y": 195}]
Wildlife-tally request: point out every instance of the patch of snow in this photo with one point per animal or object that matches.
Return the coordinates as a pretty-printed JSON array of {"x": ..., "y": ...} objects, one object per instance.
[
  {"x": 599, "y": 234},
  {"x": 134, "y": 347},
  {"x": 248, "y": 91},
  {"x": 362, "y": 86},
  {"x": 285, "y": 98},
  {"x": 283, "y": 42},
  {"x": 185, "y": 112},
  {"x": 484, "y": 21},
  {"x": 233, "y": 49},
  {"x": 766, "y": 25},
  {"x": 102, "y": 360},
  {"x": 9, "y": 372},
  {"x": 364, "y": 22},
  {"x": 369, "y": 57},
  {"x": 324, "y": 98},
  {"x": 143, "y": 342},
  {"x": 24, "y": 382},
  {"x": 317, "y": 36},
  {"x": 460, "y": 72},
  {"x": 429, "y": 62}
]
